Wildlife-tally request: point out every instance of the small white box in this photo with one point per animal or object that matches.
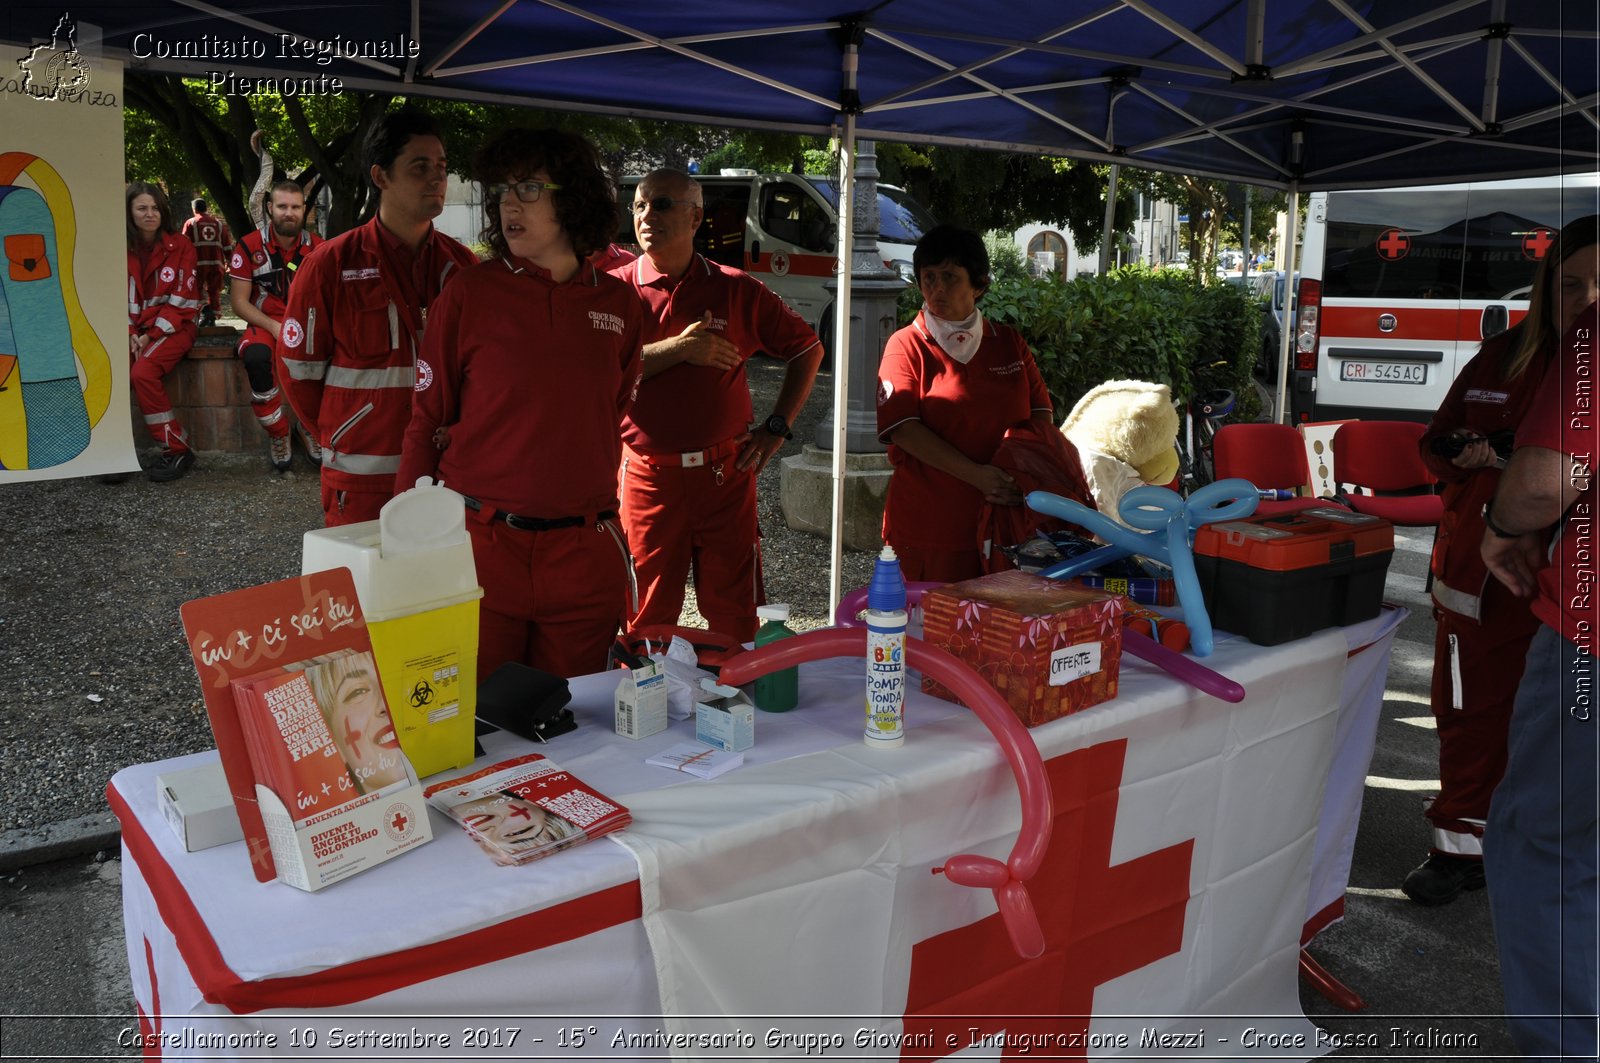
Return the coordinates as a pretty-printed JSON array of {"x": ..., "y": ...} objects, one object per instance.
[
  {"x": 724, "y": 717},
  {"x": 641, "y": 702},
  {"x": 197, "y": 804}
]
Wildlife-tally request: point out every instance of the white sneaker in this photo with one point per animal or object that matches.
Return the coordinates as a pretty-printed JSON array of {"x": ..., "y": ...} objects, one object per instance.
[
  {"x": 313, "y": 451},
  {"x": 281, "y": 450}
]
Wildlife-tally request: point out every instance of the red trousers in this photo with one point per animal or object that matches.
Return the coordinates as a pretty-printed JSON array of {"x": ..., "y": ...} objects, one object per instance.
[
  {"x": 683, "y": 519},
  {"x": 145, "y": 377},
  {"x": 351, "y": 507},
  {"x": 552, "y": 599},
  {"x": 1473, "y": 689},
  {"x": 266, "y": 401},
  {"x": 938, "y": 566},
  {"x": 208, "y": 281}
]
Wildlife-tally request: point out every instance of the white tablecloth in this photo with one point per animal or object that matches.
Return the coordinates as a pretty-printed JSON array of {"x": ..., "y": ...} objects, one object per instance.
[{"x": 800, "y": 885}]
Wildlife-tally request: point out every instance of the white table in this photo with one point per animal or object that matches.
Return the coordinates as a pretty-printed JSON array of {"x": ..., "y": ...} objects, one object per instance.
[{"x": 794, "y": 894}]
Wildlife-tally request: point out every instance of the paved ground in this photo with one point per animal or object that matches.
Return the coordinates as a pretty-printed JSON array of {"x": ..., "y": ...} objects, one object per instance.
[{"x": 1427, "y": 973}]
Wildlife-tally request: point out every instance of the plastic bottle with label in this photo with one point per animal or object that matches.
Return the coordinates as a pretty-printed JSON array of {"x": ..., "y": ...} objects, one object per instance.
[
  {"x": 886, "y": 653},
  {"x": 776, "y": 691}
]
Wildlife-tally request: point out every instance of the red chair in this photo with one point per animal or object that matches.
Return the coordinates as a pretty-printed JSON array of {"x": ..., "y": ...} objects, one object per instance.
[
  {"x": 1269, "y": 456},
  {"x": 1381, "y": 459}
]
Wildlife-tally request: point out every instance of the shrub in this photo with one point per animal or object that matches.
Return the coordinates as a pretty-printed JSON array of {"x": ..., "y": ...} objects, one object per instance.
[{"x": 1132, "y": 323}]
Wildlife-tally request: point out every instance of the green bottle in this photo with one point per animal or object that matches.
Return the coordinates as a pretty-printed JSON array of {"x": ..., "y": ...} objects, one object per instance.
[{"x": 777, "y": 691}]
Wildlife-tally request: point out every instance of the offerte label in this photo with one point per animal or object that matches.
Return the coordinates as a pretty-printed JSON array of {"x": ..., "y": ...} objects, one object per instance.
[{"x": 1074, "y": 662}]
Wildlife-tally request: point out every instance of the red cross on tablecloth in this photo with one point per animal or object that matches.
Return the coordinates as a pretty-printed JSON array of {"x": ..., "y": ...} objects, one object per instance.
[
  {"x": 1100, "y": 922},
  {"x": 1536, "y": 243},
  {"x": 1394, "y": 244}
]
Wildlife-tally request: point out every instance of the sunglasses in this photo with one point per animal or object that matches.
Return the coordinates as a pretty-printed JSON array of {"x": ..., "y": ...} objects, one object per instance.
[
  {"x": 661, "y": 204},
  {"x": 527, "y": 191}
]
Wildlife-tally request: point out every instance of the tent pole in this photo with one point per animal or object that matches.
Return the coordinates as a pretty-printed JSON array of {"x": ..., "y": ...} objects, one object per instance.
[
  {"x": 1286, "y": 333},
  {"x": 841, "y": 355},
  {"x": 1111, "y": 220}
]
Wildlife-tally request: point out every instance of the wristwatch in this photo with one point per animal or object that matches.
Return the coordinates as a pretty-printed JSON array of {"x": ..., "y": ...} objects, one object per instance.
[
  {"x": 777, "y": 426},
  {"x": 1494, "y": 529}
]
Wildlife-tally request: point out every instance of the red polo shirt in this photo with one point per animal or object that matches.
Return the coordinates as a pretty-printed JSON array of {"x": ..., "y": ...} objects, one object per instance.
[
  {"x": 693, "y": 407},
  {"x": 968, "y": 406},
  {"x": 1564, "y": 418},
  {"x": 529, "y": 378}
]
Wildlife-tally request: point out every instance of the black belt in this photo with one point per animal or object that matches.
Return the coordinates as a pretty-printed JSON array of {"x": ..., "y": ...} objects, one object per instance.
[{"x": 538, "y": 524}]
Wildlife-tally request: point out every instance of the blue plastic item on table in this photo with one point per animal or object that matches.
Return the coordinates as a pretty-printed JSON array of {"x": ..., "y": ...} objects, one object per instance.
[{"x": 1160, "y": 524}]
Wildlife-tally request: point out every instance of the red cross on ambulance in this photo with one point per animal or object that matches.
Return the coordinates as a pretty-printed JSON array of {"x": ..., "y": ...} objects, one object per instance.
[
  {"x": 1394, "y": 245},
  {"x": 1536, "y": 243}
]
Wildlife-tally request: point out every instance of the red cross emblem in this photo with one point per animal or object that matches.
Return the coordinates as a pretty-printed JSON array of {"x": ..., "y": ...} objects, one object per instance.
[
  {"x": 1536, "y": 243},
  {"x": 1394, "y": 245},
  {"x": 1100, "y": 922},
  {"x": 399, "y": 822}
]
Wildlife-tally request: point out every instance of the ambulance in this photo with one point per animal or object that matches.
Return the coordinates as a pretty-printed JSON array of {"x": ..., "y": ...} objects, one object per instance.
[
  {"x": 1400, "y": 286},
  {"x": 782, "y": 228}
]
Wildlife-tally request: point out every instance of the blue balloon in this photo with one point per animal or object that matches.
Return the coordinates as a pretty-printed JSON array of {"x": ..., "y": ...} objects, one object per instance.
[{"x": 1148, "y": 511}]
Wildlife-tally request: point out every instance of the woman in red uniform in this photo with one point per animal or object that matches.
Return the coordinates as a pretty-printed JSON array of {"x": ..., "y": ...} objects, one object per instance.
[
  {"x": 162, "y": 306},
  {"x": 528, "y": 363},
  {"x": 949, "y": 386},
  {"x": 1483, "y": 629}
]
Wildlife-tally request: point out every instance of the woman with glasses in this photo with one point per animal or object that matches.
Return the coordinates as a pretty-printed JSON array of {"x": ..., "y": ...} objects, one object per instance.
[{"x": 529, "y": 361}]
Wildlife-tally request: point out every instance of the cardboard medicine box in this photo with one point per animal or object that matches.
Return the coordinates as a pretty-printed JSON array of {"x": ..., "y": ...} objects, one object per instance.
[
  {"x": 1276, "y": 579},
  {"x": 640, "y": 702},
  {"x": 197, "y": 805},
  {"x": 1048, "y": 648},
  {"x": 724, "y": 717}
]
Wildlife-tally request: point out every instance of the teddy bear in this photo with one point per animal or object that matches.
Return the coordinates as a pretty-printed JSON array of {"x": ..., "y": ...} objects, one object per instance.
[{"x": 1126, "y": 434}]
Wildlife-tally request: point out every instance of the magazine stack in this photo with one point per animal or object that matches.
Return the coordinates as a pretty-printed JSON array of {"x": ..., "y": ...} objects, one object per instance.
[{"x": 526, "y": 808}]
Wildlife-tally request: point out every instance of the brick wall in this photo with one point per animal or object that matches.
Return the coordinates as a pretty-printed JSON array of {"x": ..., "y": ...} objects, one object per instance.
[{"x": 211, "y": 395}]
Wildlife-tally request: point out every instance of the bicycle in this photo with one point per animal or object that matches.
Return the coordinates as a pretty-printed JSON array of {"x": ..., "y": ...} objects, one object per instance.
[{"x": 1202, "y": 416}]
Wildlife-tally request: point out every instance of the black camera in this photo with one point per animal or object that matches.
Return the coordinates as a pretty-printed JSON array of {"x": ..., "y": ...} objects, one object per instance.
[{"x": 1449, "y": 446}]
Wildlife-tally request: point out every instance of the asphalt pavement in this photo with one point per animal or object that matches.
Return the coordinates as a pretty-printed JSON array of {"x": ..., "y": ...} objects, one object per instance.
[{"x": 1428, "y": 976}]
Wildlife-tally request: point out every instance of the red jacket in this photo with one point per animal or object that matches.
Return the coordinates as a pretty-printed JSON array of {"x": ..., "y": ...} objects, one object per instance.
[
  {"x": 1479, "y": 400},
  {"x": 210, "y": 237},
  {"x": 1039, "y": 458},
  {"x": 161, "y": 293},
  {"x": 346, "y": 356}
]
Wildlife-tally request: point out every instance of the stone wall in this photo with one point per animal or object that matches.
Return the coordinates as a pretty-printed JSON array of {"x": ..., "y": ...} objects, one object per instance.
[{"x": 211, "y": 395}]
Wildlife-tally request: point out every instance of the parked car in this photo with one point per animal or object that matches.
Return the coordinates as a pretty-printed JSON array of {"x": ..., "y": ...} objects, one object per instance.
[{"x": 1269, "y": 289}]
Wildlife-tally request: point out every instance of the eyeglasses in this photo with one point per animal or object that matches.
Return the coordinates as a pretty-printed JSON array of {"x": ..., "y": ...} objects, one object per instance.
[
  {"x": 527, "y": 191},
  {"x": 661, "y": 204}
]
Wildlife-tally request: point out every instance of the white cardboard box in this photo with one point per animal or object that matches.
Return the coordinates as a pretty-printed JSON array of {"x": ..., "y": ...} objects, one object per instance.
[
  {"x": 353, "y": 837},
  {"x": 641, "y": 702},
  {"x": 196, "y": 803},
  {"x": 724, "y": 717}
]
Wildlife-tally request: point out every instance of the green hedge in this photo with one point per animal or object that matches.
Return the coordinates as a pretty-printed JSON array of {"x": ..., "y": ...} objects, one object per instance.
[{"x": 1133, "y": 323}]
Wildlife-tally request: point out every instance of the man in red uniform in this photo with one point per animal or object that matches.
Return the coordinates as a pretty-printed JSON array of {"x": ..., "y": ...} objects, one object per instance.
[
  {"x": 531, "y": 359},
  {"x": 262, "y": 267},
  {"x": 210, "y": 238},
  {"x": 161, "y": 313},
  {"x": 692, "y": 454},
  {"x": 347, "y": 352}
]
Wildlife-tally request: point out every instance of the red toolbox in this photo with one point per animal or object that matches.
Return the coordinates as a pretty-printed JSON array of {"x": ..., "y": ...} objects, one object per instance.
[{"x": 1276, "y": 579}]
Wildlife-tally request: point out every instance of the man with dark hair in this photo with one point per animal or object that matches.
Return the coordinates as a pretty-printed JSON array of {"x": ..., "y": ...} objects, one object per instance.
[
  {"x": 346, "y": 354},
  {"x": 211, "y": 238},
  {"x": 689, "y": 470},
  {"x": 260, "y": 272}
]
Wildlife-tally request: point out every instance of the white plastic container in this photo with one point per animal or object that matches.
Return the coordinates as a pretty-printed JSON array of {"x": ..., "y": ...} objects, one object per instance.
[{"x": 418, "y": 589}]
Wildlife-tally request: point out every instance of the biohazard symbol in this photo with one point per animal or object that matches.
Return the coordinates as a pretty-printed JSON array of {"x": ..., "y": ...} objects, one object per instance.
[
  {"x": 421, "y": 694},
  {"x": 1394, "y": 245},
  {"x": 1536, "y": 243}
]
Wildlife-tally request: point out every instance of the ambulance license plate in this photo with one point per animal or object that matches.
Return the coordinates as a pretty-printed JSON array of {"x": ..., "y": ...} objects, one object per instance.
[{"x": 1384, "y": 372}]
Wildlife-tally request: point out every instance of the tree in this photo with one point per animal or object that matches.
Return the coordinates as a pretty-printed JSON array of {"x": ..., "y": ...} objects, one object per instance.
[
  {"x": 1215, "y": 209},
  {"x": 188, "y": 138}
]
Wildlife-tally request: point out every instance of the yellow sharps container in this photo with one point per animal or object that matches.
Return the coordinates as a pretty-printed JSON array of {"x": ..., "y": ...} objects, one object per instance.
[{"x": 419, "y": 595}]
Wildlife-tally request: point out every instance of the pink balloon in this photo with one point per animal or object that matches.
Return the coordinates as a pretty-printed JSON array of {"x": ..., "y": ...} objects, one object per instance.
[
  {"x": 1180, "y": 667},
  {"x": 852, "y": 603},
  {"x": 1033, "y": 785}
]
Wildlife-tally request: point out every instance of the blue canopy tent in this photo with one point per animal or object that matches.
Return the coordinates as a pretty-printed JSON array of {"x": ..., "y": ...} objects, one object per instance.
[{"x": 1297, "y": 95}]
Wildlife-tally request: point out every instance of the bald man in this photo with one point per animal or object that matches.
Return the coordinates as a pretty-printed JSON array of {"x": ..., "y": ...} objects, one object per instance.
[{"x": 693, "y": 444}]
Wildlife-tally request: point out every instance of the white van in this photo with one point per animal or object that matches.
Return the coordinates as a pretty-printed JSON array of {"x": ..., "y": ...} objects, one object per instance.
[
  {"x": 1400, "y": 286},
  {"x": 782, "y": 228}
]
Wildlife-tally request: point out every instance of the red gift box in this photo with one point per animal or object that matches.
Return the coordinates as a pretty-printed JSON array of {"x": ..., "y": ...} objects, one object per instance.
[{"x": 1049, "y": 648}]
